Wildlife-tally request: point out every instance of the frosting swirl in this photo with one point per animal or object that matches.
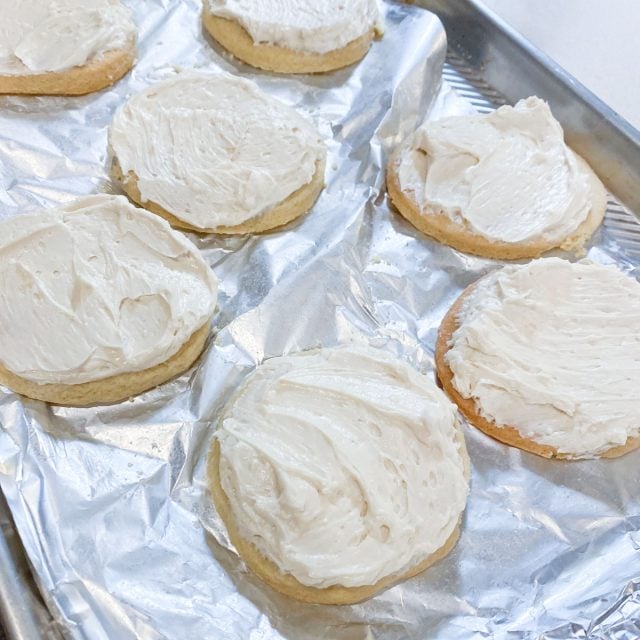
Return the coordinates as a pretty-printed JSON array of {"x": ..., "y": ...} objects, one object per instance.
[
  {"x": 553, "y": 349},
  {"x": 508, "y": 176},
  {"x": 42, "y": 37},
  {"x": 342, "y": 466},
  {"x": 212, "y": 149},
  {"x": 95, "y": 289}
]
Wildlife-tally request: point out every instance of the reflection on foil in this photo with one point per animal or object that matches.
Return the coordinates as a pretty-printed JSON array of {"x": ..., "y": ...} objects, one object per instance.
[
  {"x": 621, "y": 621},
  {"x": 111, "y": 502}
]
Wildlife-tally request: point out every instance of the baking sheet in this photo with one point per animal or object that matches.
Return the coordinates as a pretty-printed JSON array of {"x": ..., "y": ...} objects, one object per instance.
[{"x": 111, "y": 502}]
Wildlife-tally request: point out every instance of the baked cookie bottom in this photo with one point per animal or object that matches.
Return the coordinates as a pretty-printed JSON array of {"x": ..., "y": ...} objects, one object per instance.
[
  {"x": 292, "y": 207},
  {"x": 93, "y": 76},
  {"x": 503, "y": 433},
  {"x": 114, "y": 388},
  {"x": 439, "y": 226},
  {"x": 286, "y": 584},
  {"x": 237, "y": 41}
]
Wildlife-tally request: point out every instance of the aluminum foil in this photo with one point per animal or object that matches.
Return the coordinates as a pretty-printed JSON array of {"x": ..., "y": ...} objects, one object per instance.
[{"x": 111, "y": 502}]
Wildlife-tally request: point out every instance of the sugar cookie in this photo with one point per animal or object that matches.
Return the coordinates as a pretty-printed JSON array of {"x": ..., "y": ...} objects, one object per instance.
[
  {"x": 546, "y": 357},
  {"x": 64, "y": 46},
  {"x": 502, "y": 185},
  {"x": 339, "y": 472},
  {"x": 294, "y": 36},
  {"x": 100, "y": 302},
  {"x": 212, "y": 153}
]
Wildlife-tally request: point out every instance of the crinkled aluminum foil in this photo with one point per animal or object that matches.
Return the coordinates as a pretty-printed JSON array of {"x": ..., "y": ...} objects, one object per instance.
[{"x": 111, "y": 502}]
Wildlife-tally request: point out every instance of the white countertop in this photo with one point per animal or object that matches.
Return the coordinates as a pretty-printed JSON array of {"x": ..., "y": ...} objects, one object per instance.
[{"x": 597, "y": 41}]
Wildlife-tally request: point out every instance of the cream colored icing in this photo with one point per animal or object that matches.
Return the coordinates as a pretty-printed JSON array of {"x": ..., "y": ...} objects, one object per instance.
[
  {"x": 39, "y": 36},
  {"x": 342, "y": 466},
  {"x": 307, "y": 26},
  {"x": 553, "y": 349},
  {"x": 212, "y": 149},
  {"x": 508, "y": 176},
  {"x": 95, "y": 289}
]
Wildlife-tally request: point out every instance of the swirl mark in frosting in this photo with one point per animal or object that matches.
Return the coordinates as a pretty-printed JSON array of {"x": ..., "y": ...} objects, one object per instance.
[
  {"x": 342, "y": 466},
  {"x": 553, "y": 349},
  {"x": 508, "y": 175},
  {"x": 95, "y": 289},
  {"x": 212, "y": 149},
  {"x": 41, "y": 37}
]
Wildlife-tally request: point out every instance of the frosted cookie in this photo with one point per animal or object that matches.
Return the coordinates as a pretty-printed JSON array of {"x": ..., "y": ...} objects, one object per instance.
[
  {"x": 339, "y": 472},
  {"x": 212, "y": 153},
  {"x": 503, "y": 185},
  {"x": 546, "y": 357},
  {"x": 294, "y": 36},
  {"x": 64, "y": 46},
  {"x": 100, "y": 301}
]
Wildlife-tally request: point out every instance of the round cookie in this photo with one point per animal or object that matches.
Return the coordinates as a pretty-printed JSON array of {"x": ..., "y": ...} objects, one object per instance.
[
  {"x": 88, "y": 46},
  {"x": 102, "y": 301},
  {"x": 298, "y": 36},
  {"x": 502, "y": 186},
  {"x": 344, "y": 454},
  {"x": 213, "y": 154},
  {"x": 586, "y": 433}
]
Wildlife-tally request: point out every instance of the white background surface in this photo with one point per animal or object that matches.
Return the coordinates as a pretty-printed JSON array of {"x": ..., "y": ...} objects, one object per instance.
[{"x": 597, "y": 41}]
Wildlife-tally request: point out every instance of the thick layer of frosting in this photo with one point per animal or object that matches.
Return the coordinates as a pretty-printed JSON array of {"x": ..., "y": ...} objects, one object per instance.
[
  {"x": 507, "y": 176},
  {"x": 342, "y": 466},
  {"x": 306, "y": 26},
  {"x": 95, "y": 289},
  {"x": 212, "y": 149},
  {"x": 44, "y": 37},
  {"x": 553, "y": 349}
]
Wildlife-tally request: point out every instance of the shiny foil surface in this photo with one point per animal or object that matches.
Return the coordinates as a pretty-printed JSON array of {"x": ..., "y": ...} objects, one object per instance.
[{"x": 111, "y": 502}]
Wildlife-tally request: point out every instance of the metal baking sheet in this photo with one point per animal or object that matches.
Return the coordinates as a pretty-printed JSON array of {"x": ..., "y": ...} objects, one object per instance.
[{"x": 111, "y": 503}]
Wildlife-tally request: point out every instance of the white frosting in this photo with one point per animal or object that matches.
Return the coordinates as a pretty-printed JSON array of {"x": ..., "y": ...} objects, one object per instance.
[
  {"x": 507, "y": 176},
  {"x": 95, "y": 289},
  {"x": 213, "y": 150},
  {"x": 553, "y": 349},
  {"x": 342, "y": 466},
  {"x": 42, "y": 36},
  {"x": 307, "y": 26}
]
